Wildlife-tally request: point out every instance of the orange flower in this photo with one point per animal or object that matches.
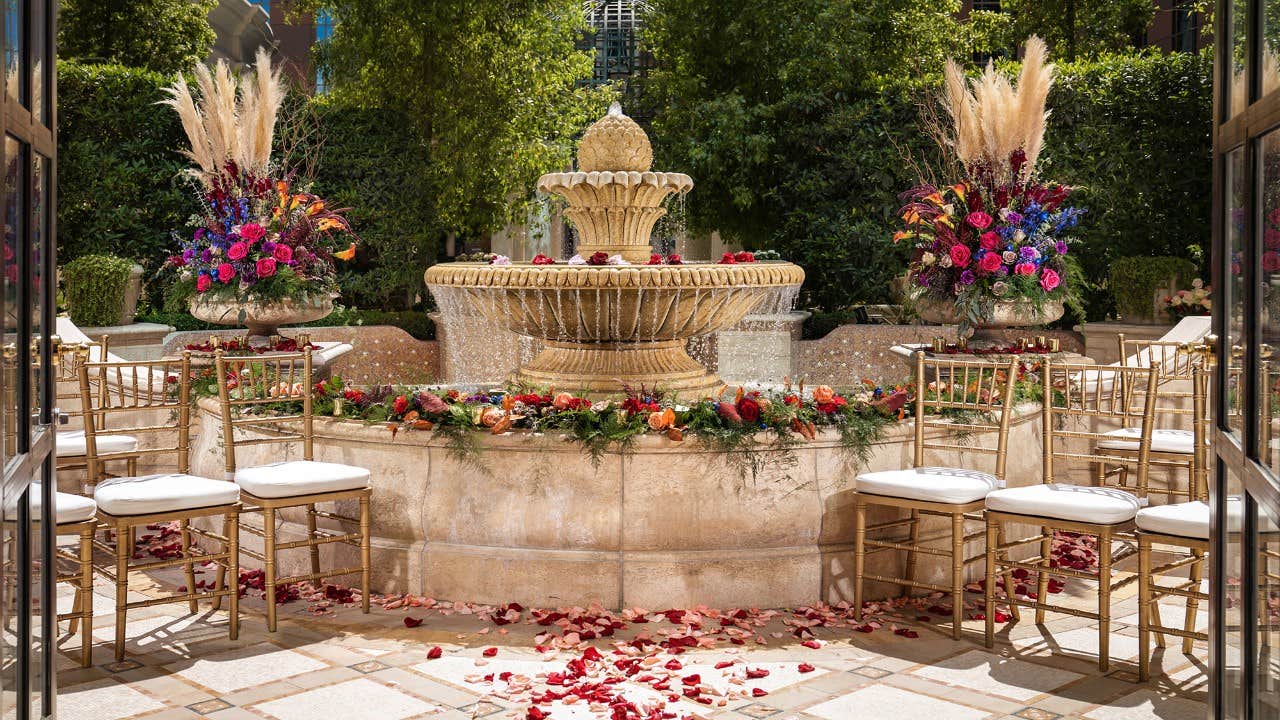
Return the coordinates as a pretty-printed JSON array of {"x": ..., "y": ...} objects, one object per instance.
[
  {"x": 662, "y": 420},
  {"x": 347, "y": 254},
  {"x": 562, "y": 401},
  {"x": 316, "y": 207},
  {"x": 823, "y": 394},
  {"x": 330, "y": 224}
]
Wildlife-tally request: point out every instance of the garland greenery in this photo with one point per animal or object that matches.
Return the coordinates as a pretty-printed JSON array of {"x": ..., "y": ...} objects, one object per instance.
[
  {"x": 94, "y": 287},
  {"x": 1135, "y": 280}
]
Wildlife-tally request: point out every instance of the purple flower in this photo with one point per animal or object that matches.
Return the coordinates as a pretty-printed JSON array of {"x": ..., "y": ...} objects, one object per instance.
[
  {"x": 1060, "y": 247},
  {"x": 206, "y": 255},
  {"x": 967, "y": 277},
  {"x": 188, "y": 255},
  {"x": 1028, "y": 253},
  {"x": 1013, "y": 218},
  {"x": 268, "y": 247},
  {"x": 199, "y": 233}
]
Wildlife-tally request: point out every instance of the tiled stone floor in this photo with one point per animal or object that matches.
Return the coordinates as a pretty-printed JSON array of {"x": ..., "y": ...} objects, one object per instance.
[{"x": 348, "y": 666}]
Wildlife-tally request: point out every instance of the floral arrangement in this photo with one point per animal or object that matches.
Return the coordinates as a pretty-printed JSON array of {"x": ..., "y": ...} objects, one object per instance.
[
  {"x": 603, "y": 259},
  {"x": 1185, "y": 303},
  {"x": 257, "y": 237},
  {"x": 238, "y": 346},
  {"x": 1000, "y": 234}
]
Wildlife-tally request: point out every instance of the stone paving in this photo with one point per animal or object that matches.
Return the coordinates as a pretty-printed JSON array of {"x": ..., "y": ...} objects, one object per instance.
[{"x": 343, "y": 665}]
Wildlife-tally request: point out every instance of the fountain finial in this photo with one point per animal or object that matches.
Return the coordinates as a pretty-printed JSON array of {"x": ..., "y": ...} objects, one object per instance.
[{"x": 615, "y": 143}]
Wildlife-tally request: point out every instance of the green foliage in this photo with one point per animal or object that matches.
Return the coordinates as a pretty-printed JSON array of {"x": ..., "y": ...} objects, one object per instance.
[
  {"x": 94, "y": 287},
  {"x": 794, "y": 146},
  {"x": 1135, "y": 281},
  {"x": 1133, "y": 134},
  {"x": 375, "y": 163},
  {"x": 162, "y": 35},
  {"x": 1079, "y": 29},
  {"x": 494, "y": 88},
  {"x": 119, "y": 164}
]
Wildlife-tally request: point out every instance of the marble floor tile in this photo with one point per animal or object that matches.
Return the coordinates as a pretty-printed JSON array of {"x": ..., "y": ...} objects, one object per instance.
[
  {"x": 995, "y": 675},
  {"x": 247, "y": 667},
  {"x": 1146, "y": 704},
  {"x": 360, "y": 699},
  {"x": 881, "y": 702},
  {"x": 105, "y": 700}
]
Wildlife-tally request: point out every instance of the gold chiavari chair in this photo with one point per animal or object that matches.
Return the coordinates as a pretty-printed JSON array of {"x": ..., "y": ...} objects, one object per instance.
[
  {"x": 156, "y": 395},
  {"x": 1181, "y": 401},
  {"x": 951, "y": 396},
  {"x": 1084, "y": 397},
  {"x": 71, "y": 443},
  {"x": 285, "y": 381}
]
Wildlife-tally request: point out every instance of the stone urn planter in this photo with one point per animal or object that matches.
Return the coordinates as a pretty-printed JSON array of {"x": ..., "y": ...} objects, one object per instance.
[
  {"x": 261, "y": 318},
  {"x": 1005, "y": 314}
]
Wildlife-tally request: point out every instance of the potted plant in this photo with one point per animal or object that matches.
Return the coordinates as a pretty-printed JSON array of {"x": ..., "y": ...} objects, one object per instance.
[
  {"x": 101, "y": 290},
  {"x": 261, "y": 253},
  {"x": 993, "y": 250}
]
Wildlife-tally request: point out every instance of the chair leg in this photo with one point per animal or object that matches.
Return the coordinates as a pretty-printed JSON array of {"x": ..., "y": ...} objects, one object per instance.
[
  {"x": 1006, "y": 574},
  {"x": 184, "y": 526},
  {"x": 123, "y": 553},
  {"x": 957, "y": 575},
  {"x": 1144, "y": 608},
  {"x": 269, "y": 563},
  {"x": 314, "y": 549},
  {"x": 1195, "y": 574},
  {"x": 233, "y": 561},
  {"x": 913, "y": 540},
  {"x": 859, "y": 553},
  {"x": 1042, "y": 578},
  {"x": 365, "y": 553},
  {"x": 989, "y": 589},
  {"x": 86, "y": 592},
  {"x": 1104, "y": 601}
]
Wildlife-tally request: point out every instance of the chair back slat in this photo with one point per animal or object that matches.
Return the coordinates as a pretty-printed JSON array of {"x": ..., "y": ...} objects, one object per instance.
[
  {"x": 1083, "y": 403},
  {"x": 964, "y": 395},
  {"x": 134, "y": 392},
  {"x": 249, "y": 385}
]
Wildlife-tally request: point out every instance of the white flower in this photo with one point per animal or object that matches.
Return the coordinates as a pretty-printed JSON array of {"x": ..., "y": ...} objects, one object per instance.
[
  {"x": 928, "y": 258},
  {"x": 1019, "y": 236},
  {"x": 577, "y": 260},
  {"x": 501, "y": 260},
  {"x": 1009, "y": 257},
  {"x": 945, "y": 261},
  {"x": 617, "y": 260},
  {"x": 1197, "y": 283}
]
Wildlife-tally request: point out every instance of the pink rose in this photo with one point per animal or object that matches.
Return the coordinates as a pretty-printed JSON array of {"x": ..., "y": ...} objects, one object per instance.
[
  {"x": 959, "y": 255},
  {"x": 989, "y": 240},
  {"x": 1049, "y": 279},
  {"x": 979, "y": 220},
  {"x": 1274, "y": 216},
  {"x": 1271, "y": 261},
  {"x": 266, "y": 267},
  {"x": 226, "y": 273},
  {"x": 990, "y": 262},
  {"x": 237, "y": 251},
  {"x": 252, "y": 232},
  {"x": 1271, "y": 238},
  {"x": 1025, "y": 268},
  {"x": 283, "y": 253},
  {"x": 203, "y": 282}
]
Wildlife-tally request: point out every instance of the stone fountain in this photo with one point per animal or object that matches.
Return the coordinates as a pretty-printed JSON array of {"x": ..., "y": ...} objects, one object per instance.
[{"x": 604, "y": 325}]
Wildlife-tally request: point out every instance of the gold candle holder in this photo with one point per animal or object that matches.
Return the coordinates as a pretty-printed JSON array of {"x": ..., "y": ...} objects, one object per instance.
[
  {"x": 939, "y": 344},
  {"x": 1022, "y": 344},
  {"x": 215, "y": 342},
  {"x": 274, "y": 340},
  {"x": 337, "y": 407},
  {"x": 1055, "y": 345},
  {"x": 962, "y": 343},
  {"x": 1041, "y": 341},
  {"x": 304, "y": 339}
]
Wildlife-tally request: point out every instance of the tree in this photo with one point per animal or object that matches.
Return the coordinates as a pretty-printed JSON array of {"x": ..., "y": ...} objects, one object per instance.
[
  {"x": 162, "y": 35},
  {"x": 1080, "y": 29},
  {"x": 496, "y": 89}
]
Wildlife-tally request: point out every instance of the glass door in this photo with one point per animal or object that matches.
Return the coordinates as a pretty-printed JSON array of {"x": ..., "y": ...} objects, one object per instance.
[
  {"x": 27, "y": 179},
  {"x": 1245, "y": 491}
]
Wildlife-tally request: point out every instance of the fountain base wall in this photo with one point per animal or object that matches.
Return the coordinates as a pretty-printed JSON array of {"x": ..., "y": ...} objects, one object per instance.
[{"x": 664, "y": 525}]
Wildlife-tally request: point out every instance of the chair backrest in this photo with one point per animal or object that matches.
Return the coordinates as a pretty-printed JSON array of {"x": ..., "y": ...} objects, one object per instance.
[
  {"x": 1108, "y": 397},
  {"x": 967, "y": 396},
  {"x": 146, "y": 399},
  {"x": 70, "y": 358},
  {"x": 278, "y": 387},
  {"x": 1170, "y": 356}
]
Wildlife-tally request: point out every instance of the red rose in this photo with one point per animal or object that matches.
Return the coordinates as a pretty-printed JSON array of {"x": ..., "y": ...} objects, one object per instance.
[
  {"x": 401, "y": 405},
  {"x": 541, "y": 259},
  {"x": 226, "y": 273},
  {"x": 728, "y": 259},
  {"x": 177, "y": 261},
  {"x": 791, "y": 400},
  {"x": 655, "y": 259},
  {"x": 989, "y": 240},
  {"x": 202, "y": 283},
  {"x": 266, "y": 267},
  {"x": 599, "y": 258},
  {"x": 252, "y": 232},
  {"x": 745, "y": 257},
  {"x": 283, "y": 253},
  {"x": 979, "y": 220},
  {"x": 675, "y": 259},
  {"x": 960, "y": 255},
  {"x": 749, "y": 409},
  {"x": 237, "y": 251},
  {"x": 990, "y": 262},
  {"x": 1271, "y": 261}
]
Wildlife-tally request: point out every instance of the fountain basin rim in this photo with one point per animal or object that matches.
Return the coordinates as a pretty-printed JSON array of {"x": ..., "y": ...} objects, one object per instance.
[
  {"x": 627, "y": 178},
  {"x": 744, "y": 276}
]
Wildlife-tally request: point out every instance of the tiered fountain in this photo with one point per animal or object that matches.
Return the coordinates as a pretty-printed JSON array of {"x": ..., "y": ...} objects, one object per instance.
[{"x": 611, "y": 324}]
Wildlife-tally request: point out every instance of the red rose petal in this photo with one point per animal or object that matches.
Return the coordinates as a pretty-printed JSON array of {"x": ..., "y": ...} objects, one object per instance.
[
  {"x": 434, "y": 653},
  {"x": 411, "y": 622},
  {"x": 490, "y": 652},
  {"x": 805, "y": 668},
  {"x": 759, "y": 692},
  {"x": 814, "y": 644}
]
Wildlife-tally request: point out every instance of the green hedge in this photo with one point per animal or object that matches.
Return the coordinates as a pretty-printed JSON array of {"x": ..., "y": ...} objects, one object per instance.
[
  {"x": 121, "y": 189},
  {"x": 94, "y": 287}
]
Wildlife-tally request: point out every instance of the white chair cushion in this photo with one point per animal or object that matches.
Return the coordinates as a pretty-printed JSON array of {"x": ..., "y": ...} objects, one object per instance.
[
  {"x": 292, "y": 478},
  {"x": 1189, "y": 519},
  {"x": 67, "y": 508},
  {"x": 954, "y": 486},
  {"x": 1162, "y": 440},
  {"x": 162, "y": 493},
  {"x": 1103, "y": 506},
  {"x": 72, "y": 443}
]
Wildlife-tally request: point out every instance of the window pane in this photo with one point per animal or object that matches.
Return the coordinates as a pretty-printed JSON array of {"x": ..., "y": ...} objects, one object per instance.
[
  {"x": 1233, "y": 294},
  {"x": 1237, "y": 90},
  {"x": 15, "y": 47},
  {"x": 1268, "y": 639},
  {"x": 39, "y": 236},
  {"x": 1232, "y": 666},
  {"x": 39, "y": 68}
]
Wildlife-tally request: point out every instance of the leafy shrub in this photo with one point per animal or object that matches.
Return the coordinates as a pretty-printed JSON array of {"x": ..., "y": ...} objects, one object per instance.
[
  {"x": 1135, "y": 281},
  {"x": 94, "y": 287}
]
